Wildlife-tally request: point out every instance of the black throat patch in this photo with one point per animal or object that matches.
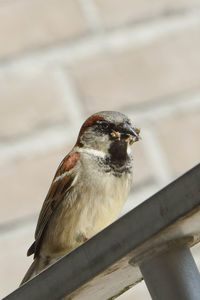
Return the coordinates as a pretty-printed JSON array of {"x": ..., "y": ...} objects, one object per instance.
[{"x": 118, "y": 153}]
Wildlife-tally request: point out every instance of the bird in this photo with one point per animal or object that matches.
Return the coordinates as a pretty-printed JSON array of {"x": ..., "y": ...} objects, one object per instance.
[{"x": 88, "y": 190}]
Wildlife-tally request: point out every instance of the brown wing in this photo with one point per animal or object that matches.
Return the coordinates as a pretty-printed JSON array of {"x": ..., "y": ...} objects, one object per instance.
[{"x": 61, "y": 184}]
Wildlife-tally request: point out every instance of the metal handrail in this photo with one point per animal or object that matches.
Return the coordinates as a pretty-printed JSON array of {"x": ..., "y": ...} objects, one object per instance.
[{"x": 110, "y": 262}]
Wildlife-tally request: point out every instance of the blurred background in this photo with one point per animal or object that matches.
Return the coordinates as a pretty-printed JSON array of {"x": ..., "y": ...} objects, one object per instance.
[{"x": 60, "y": 61}]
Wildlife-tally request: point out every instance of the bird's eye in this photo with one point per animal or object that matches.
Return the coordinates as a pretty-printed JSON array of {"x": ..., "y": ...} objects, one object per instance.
[{"x": 104, "y": 125}]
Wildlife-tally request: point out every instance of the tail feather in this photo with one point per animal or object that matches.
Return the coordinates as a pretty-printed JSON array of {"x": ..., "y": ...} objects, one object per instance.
[
  {"x": 32, "y": 271},
  {"x": 39, "y": 264}
]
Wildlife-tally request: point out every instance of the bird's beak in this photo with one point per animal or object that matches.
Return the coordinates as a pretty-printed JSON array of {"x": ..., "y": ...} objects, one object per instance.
[
  {"x": 132, "y": 132},
  {"x": 127, "y": 133}
]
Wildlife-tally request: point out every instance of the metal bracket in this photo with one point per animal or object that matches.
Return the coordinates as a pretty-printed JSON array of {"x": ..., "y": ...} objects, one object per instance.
[{"x": 169, "y": 270}]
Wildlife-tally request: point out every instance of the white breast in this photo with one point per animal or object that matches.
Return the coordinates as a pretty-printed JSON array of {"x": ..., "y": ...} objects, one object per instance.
[
  {"x": 95, "y": 202},
  {"x": 102, "y": 201}
]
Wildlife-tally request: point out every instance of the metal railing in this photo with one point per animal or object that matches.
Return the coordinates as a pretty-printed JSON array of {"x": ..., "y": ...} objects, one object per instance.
[{"x": 151, "y": 241}]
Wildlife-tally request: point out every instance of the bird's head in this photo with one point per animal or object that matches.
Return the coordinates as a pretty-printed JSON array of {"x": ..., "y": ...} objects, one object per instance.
[{"x": 108, "y": 131}]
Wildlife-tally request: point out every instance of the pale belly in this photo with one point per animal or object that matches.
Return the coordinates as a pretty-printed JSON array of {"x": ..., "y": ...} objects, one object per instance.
[{"x": 98, "y": 205}]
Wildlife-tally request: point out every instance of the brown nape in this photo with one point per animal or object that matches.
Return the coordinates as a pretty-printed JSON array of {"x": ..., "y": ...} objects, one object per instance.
[{"x": 88, "y": 123}]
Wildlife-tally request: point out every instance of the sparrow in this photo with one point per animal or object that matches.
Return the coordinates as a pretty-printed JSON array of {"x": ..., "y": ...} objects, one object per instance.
[{"x": 88, "y": 190}]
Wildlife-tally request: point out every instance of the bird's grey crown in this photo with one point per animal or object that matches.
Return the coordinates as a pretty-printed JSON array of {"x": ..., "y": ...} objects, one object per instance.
[{"x": 113, "y": 116}]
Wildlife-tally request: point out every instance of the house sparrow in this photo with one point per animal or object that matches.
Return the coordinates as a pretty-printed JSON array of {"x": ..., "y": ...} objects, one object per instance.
[{"x": 88, "y": 191}]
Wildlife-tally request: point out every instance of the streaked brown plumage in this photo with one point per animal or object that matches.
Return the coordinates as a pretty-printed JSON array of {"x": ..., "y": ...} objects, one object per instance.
[{"x": 88, "y": 191}]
